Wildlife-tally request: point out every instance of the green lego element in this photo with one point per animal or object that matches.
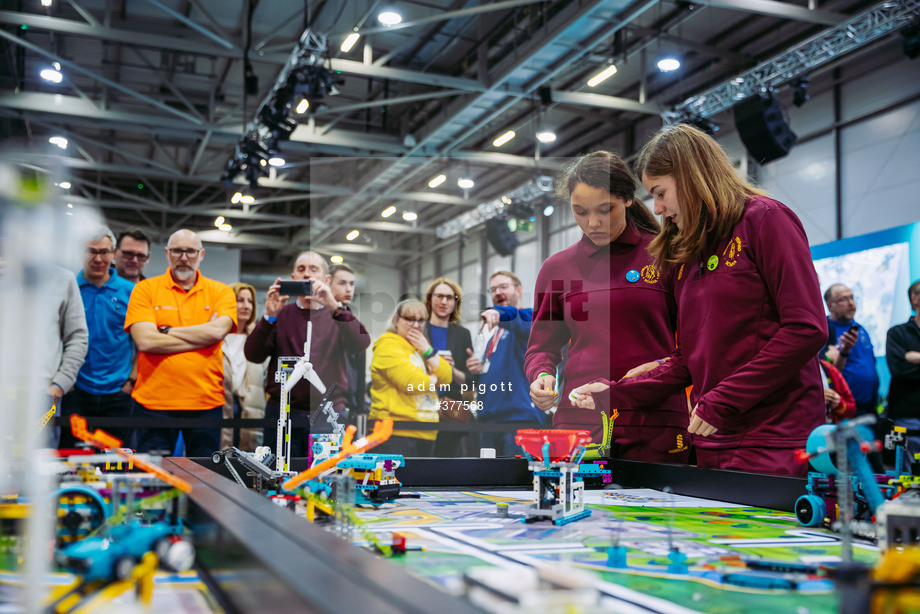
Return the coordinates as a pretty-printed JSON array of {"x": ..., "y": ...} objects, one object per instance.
[{"x": 599, "y": 451}]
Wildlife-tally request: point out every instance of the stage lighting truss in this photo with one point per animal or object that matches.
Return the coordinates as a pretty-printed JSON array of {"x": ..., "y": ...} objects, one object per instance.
[
  {"x": 519, "y": 201},
  {"x": 307, "y": 75},
  {"x": 804, "y": 58}
]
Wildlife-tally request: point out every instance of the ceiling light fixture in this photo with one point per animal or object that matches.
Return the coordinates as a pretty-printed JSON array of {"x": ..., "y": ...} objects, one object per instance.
[
  {"x": 225, "y": 227},
  {"x": 59, "y": 141},
  {"x": 506, "y": 199},
  {"x": 236, "y": 198},
  {"x": 52, "y": 74},
  {"x": 388, "y": 211},
  {"x": 546, "y": 136},
  {"x": 219, "y": 220},
  {"x": 389, "y": 18},
  {"x": 351, "y": 236},
  {"x": 548, "y": 210},
  {"x": 436, "y": 181},
  {"x": 410, "y": 216},
  {"x": 246, "y": 199},
  {"x": 276, "y": 161},
  {"x": 503, "y": 139},
  {"x": 668, "y": 64},
  {"x": 64, "y": 184},
  {"x": 466, "y": 183},
  {"x": 350, "y": 41},
  {"x": 336, "y": 260},
  {"x": 302, "y": 106},
  {"x": 602, "y": 76},
  {"x": 46, "y": 2}
]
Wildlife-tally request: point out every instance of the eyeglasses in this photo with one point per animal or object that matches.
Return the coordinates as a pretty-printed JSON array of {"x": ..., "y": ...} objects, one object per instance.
[
  {"x": 92, "y": 253},
  {"x": 444, "y": 297},
  {"x": 845, "y": 299},
  {"x": 413, "y": 321},
  {"x": 502, "y": 287},
  {"x": 177, "y": 252},
  {"x": 134, "y": 256}
]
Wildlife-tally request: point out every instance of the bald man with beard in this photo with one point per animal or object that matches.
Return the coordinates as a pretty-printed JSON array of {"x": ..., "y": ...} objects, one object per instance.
[{"x": 178, "y": 321}]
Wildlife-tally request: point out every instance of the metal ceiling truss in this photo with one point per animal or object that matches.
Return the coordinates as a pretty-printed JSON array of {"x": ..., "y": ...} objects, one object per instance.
[{"x": 825, "y": 47}]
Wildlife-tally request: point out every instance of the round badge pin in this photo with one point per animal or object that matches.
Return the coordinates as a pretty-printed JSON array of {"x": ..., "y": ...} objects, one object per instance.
[
  {"x": 632, "y": 276},
  {"x": 712, "y": 263}
]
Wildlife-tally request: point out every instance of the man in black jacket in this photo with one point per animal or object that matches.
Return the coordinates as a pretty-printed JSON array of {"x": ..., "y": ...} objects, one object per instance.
[{"x": 902, "y": 352}]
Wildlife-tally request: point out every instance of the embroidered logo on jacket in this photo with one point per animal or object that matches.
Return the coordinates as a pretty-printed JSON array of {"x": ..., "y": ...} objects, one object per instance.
[
  {"x": 732, "y": 251},
  {"x": 681, "y": 446},
  {"x": 650, "y": 274}
]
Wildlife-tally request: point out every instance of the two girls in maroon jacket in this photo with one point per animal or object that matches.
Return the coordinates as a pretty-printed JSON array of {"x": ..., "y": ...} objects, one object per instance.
[
  {"x": 605, "y": 299},
  {"x": 750, "y": 322}
]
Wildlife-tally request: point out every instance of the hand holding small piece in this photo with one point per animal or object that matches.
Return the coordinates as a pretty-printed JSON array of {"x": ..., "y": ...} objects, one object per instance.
[
  {"x": 584, "y": 395},
  {"x": 543, "y": 393}
]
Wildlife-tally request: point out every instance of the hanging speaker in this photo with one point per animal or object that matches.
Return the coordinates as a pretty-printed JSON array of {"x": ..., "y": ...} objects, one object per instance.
[
  {"x": 762, "y": 128},
  {"x": 500, "y": 236}
]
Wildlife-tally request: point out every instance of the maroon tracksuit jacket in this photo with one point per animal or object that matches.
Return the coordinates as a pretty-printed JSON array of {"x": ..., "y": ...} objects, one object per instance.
[
  {"x": 616, "y": 312},
  {"x": 750, "y": 325}
]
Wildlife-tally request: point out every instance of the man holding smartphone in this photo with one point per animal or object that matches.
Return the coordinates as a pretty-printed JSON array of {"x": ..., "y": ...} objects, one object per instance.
[
  {"x": 282, "y": 331},
  {"x": 850, "y": 349}
]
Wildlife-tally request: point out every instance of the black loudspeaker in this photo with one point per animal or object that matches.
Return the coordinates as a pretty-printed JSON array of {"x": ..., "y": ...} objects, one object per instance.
[
  {"x": 760, "y": 124},
  {"x": 500, "y": 236}
]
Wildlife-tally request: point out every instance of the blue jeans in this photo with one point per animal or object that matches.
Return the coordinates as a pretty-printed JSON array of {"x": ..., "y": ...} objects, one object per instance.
[{"x": 198, "y": 441}]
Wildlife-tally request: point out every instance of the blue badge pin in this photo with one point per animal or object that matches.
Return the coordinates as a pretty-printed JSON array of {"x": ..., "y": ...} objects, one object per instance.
[{"x": 632, "y": 276}]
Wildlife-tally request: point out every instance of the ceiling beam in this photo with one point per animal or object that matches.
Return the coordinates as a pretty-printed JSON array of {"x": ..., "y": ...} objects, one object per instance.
[{"x": 783, "y": 10}]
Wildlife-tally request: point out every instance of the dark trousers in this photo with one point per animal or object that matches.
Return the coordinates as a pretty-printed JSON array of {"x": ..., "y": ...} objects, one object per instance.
[
  {"x": 300, "y": 436},
  {"x": 114, "y": 405},
  {"x": 407, "y": 446},
  {"x": 198, "y": 441},
  {"x": 504, "y": 443}
]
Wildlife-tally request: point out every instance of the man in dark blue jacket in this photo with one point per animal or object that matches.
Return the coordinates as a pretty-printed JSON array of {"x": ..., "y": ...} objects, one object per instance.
[{"x": 502, "y": 386}]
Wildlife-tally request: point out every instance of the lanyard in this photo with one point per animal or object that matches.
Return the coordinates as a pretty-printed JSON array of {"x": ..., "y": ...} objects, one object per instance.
[{"x": 493, "y": 342}]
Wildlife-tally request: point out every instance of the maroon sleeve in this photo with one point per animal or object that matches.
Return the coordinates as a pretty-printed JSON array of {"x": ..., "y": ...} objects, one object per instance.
[
  {"x": 351, "y": 331},
  {"x": 260, "y": 343},
  {"x": 783, "y": 260},
  {"x": 548, "y": 331},
  {"x": 653, "y": 387}
]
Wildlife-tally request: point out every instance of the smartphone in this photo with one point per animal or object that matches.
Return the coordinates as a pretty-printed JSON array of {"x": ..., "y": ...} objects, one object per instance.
[
  {"x": 854, "y": 329},
  {"x": 300, "y": 287},
  {"x": 445, "y": 353}
]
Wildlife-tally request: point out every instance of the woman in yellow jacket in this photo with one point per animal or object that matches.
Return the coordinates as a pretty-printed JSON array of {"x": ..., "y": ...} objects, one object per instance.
[{"x": 405, "y": 374}]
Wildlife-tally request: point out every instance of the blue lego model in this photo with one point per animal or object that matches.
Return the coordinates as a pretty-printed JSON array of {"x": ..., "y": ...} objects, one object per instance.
[
  {"x": 115, "y": 556},
  {"x": 375, "y": 476}
]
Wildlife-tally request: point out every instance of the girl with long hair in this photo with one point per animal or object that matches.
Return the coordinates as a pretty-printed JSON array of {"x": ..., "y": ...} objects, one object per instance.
[{"x": 750, "y": 319}]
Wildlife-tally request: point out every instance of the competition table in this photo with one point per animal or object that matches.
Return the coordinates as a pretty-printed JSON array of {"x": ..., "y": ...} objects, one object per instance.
[{"x": 257, "y": 556}]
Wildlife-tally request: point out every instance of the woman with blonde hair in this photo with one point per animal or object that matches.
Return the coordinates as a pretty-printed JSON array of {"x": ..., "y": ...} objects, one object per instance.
[
  {"x": 244, "y": 396},
  {"x": 406, "y": 373},
  {"x": 750, "y": 322}
]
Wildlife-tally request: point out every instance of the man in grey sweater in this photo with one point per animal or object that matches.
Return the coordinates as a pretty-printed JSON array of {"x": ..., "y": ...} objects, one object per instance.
[{"x": 69, "y": 340}]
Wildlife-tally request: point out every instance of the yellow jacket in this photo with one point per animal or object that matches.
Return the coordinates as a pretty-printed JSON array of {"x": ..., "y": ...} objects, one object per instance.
[{"x": 401, "y": 389}]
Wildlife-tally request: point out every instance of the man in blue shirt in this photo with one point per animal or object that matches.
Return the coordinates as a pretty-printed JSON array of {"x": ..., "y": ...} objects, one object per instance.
[
  {"x": 103, "y": 384},
  {"x": 850, "y": 349},
  {"x": 502, "y": 386}
]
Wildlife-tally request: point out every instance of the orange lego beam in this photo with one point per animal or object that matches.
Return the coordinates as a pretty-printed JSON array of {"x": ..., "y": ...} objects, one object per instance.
[
  {"x": 101, "y": 439},
  {"x": 382, "y": 431}
]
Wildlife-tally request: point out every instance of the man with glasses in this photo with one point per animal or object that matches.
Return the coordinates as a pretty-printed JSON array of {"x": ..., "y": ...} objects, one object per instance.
[
  {"x": 502, "y": 385},
  {"x": 178, "y": 321},
  {"x": 132, "y": 251},
  {"x": 282, "y": 331},
  {"x": 850, "y": 349},
  {"x": 103, "y": 383}
]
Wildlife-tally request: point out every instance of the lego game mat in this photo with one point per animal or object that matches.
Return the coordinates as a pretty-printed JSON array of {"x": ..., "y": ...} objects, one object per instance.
[
  {"x": 183, "y": 593},
  {"x": 458, "y": 531}
]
